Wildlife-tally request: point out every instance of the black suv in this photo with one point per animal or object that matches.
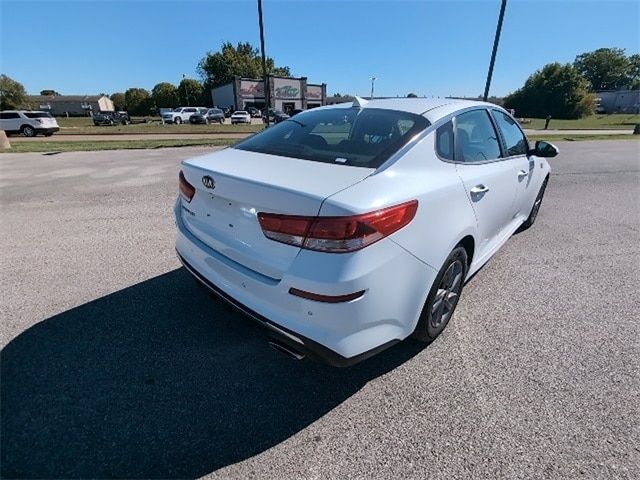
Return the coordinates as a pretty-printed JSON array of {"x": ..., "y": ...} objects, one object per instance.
[{"x": 111, "y": 118}]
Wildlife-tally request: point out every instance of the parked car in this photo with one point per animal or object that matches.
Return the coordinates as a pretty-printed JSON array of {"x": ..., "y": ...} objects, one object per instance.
[
  {"x": 227, "y": 111},
  {"x": 254, "y": 112},
  {"x": 212, "y": 115},
  {"x": 356, "y": 226},
  {"x": 275, "y": 116},
  {"x": 241, "y": 116},
  {"x": 111, "y": 118},
  {"x": 179, "y": 115},
  {"x": 28, "y": 123}
]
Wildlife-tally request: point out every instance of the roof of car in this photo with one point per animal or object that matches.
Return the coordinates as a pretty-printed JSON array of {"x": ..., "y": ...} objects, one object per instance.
[{"x": 432, "y": 108}]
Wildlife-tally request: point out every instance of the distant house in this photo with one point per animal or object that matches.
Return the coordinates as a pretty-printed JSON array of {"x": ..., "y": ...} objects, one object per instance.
[
  {"x": 618, "y": 101},
  {"x": 73, "y": 105}
]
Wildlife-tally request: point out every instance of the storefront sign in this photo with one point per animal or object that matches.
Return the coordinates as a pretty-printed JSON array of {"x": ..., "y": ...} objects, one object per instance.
[
  {"x": 249, "y": 88},
  {"x": 314, "y": 92}
]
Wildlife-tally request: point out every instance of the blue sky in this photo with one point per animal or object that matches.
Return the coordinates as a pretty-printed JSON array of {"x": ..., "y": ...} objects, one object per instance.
[{"x": 427, "y": 47}]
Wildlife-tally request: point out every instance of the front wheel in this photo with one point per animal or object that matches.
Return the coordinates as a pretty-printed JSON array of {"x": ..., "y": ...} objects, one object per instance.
[
  {"x": 177, "y": 120},
  {"x": 536, "y": 207},
  {"x": 443, "y": 296}
]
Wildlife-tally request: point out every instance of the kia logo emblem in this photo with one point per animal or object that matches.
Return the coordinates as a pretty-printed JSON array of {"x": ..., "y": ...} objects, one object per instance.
[{"x": 208, "y": 182}]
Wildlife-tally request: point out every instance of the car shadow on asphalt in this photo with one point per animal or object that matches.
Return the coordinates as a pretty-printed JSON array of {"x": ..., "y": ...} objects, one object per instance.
[{"x": 158, "y": 380}]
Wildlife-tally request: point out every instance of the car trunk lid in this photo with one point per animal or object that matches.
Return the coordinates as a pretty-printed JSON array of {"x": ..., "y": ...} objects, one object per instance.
[{"x": 246, "y": 183}]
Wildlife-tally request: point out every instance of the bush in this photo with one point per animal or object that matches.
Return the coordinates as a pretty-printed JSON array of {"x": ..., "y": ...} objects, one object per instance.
[{"x": 556, "y": 90}]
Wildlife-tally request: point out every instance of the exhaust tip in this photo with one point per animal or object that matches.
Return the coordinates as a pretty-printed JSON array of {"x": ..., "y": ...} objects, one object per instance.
[{"x": 286, "y": 349}]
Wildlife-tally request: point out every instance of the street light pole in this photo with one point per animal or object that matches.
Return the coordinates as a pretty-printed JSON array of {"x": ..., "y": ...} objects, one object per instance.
[
  {"x": 495, "y": 49},
  {"x": 373, "y": 79},
  {"x": 265, "y": 79}
]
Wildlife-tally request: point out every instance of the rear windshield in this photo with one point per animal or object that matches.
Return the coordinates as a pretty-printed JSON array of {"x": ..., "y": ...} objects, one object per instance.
[
  {"x": 349, "y": 136},
  {"x": 37, "y": 115}
]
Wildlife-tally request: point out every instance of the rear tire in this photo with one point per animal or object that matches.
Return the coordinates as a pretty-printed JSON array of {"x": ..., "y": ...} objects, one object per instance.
[
  {"x": 443, "y": 296},
  {"x": 28, "y": 131},
  {"x": 535, "y": 209}
]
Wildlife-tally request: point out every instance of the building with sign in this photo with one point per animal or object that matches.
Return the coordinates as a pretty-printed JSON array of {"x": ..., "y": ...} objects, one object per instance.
[{"x": 286, "y": 94}]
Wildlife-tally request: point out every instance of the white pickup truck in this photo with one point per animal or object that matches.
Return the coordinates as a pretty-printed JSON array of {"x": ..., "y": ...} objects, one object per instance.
[{"x": 181, "y": 114}]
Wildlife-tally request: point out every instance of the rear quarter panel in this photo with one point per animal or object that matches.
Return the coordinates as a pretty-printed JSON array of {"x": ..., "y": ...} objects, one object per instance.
[{"x": 444, "y": 213}]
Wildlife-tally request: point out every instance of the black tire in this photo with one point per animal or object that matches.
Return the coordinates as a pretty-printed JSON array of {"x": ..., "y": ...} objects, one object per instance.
[
  {"x": 443, "y": 296},
  {"x": 222, "y": 121},
  {"x": 28, "y": 131},
  {"x": 535, "y": 209},
  {"x": 177, "y": 120}
]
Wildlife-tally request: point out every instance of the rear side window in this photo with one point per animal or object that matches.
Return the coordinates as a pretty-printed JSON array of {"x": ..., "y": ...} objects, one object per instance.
[
  {"x": 444, "y": 141},
  {"x": 37, "y": 115},
  {"x": 515, "y": 141},
  {"x": 475, "y": 137},
  {"x": 345, "y": 136},
  {"x": 8, "y": 115}
]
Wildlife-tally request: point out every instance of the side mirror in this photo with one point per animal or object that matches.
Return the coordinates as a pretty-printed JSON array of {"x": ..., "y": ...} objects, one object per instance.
[{"x": 544, "y": 149}]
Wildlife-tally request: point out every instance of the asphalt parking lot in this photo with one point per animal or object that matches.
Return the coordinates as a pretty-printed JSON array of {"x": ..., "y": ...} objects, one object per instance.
[{"x": 114, "y": 364}]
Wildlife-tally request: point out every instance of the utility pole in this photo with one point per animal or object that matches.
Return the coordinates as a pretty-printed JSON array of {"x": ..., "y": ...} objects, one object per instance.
[
  {"x": 265, "y": 81},
  {"x": 373, "y": 79},
  {"x": 186, "y": 93},
  {"x": 495, "y": 49}
]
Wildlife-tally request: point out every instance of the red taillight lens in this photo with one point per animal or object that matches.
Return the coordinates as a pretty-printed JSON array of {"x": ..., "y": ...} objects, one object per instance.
[
  {"x": 186, "y": 189},
  {"x": 337, "y": 234}
]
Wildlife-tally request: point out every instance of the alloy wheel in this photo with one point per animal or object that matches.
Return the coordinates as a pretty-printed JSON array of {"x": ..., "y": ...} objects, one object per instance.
[{"x": 447, "y": 295}]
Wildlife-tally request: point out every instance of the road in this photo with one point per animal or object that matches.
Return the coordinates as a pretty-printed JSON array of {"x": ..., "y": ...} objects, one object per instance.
[{"x": 114, "y": 364}]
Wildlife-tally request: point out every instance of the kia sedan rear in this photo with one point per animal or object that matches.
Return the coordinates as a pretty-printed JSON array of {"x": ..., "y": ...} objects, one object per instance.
[{"x": 348, "y": 228}]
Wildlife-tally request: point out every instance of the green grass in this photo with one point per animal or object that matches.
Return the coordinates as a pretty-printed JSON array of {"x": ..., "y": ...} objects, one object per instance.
[
  {"x": 572, "y": 138},
  {"x": 85, "y": 126},
  {"x": 605, "y": 122},
  {"x": 21, "y": 147}
]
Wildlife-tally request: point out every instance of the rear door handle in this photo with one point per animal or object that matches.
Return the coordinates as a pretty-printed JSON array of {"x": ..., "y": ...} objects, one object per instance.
[
  {"x": 478, "y": 189},
  {"x": 522, "y": 174}
]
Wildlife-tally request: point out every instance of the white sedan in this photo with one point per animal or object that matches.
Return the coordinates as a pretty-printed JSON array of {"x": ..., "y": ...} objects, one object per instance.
[
  {"x": 240, "y": 117},
  {"x": 348, "y": 228}
]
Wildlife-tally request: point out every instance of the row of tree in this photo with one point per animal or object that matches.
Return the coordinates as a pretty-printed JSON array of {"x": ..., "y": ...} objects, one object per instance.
[{"x": 568, "y": 90}]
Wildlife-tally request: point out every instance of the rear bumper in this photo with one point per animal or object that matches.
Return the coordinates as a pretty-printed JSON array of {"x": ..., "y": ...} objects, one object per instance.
[
  {"x": 340, "y": 334},
  {"x": 294, "y": 341}
]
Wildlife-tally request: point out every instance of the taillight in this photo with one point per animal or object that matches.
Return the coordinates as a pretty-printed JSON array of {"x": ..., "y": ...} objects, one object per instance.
[
  {"x": 337, "y": 234},
  {"x": 186, "y": 189}
]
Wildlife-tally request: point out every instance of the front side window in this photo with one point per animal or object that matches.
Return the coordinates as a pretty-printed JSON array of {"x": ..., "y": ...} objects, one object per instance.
[
  {"x": 515, "y": 141},
  {"x": 346, "y": 136},
  {"x": 475, "y": 137}
]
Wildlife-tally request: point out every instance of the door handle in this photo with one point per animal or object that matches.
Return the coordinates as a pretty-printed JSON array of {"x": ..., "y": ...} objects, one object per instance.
[
  {"x": 522, "y": 174},
  {"x": 479, "y": 189}
]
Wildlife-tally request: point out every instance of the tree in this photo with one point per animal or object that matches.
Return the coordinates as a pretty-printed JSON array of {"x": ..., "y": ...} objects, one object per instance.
[
  {"x": 634, "y": 71},
  {"x": 191, "y": 92},
  {"x": 12, "y": 94},
  {"x": 138, "y": 101},
  {"x": 412, "y": 95},
  {"x": 219, "y": 68},
  {"x": 49, "y": 92},
  {"x": 165, "y": 95},
  {"x": 119, "y": 102},
  {"x": 604, "y": 68},
  {"x": 556, "y": 90}
]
